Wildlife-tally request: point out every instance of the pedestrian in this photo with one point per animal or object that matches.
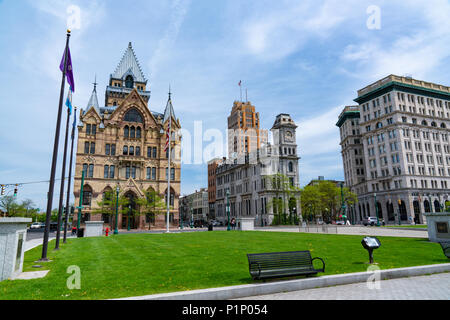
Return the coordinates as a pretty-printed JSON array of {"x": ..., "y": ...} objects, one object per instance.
[
  {"x": 106, "y": 231},
  {"x": 74, "y": 230},
  {"x": 233, "y": 224}
]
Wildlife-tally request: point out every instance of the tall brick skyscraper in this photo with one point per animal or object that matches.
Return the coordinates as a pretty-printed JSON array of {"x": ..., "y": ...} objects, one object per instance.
[{"x": 244, "y": 133}]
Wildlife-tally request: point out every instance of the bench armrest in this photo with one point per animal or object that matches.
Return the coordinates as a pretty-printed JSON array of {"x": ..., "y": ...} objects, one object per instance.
[
  {"x": 323, "y": 263},
  {"x": 259, "y": 268}
]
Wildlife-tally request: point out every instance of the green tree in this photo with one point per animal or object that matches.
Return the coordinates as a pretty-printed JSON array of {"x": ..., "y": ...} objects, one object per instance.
[
  {"x": 311, "y": 203},
  {"x": 108, "y": 204},
  {"x": 9, "y": 205},
  {"x": 324, "y": 199},
  {"x": 152, "y": 204}
]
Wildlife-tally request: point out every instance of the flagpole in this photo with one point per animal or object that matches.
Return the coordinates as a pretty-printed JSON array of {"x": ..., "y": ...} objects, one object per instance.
[
  {"x": 168, "y": 172},
  {"x": 54, "y": 158},
  {"x": 66, "y": 219},
  {"x": 63, "y": 174}
]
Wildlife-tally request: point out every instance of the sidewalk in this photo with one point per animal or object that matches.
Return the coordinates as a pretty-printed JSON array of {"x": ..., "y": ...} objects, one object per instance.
[
  {"x": 428, "y": 287},
  {"x": 353, "y": 230}
]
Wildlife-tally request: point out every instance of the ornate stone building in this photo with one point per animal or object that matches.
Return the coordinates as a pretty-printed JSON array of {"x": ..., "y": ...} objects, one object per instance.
[
  {"x": 248, "y": 180},
  {"x": 396, "y": 151},
  {"x": 122, "y": 145}
]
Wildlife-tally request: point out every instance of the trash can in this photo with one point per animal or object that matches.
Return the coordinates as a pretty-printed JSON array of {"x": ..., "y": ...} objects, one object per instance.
[
  {"x": 210, "y": 227},
  {"x": 80, "y": 233}
]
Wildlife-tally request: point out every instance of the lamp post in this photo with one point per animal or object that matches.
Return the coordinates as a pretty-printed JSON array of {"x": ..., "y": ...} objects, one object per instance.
[
  {"x": 129, "y": 214},
  {"x": 181, "y": 217},
  {"x": 431, "y": 203},
  {"x": 376, "y": 210},
  {"x": 116, "y": 230},
  {"x": 343, "y": 207},
  {"x": 228, "y": 209}
]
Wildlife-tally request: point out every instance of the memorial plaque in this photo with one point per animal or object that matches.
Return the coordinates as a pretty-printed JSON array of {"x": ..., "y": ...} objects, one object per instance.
[{"x": 19, "y": 251}]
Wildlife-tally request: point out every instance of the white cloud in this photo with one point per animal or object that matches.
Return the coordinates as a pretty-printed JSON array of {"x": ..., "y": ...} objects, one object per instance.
[
  {"x": 178, "y": 12},
  {"x": 418, "y": 52},
  {"x": 276, "y": 33},
  {"x": 319, "y": 134}
]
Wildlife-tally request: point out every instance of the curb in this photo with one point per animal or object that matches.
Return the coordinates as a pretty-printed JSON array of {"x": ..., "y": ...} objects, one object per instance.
[{"x": 243, "y": 291}]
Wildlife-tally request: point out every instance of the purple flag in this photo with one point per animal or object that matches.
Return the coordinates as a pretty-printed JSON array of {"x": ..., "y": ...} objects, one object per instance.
[{"x": 69, "y": 70}]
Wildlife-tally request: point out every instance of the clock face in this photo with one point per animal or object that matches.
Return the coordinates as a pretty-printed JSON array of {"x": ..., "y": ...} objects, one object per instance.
[{"x": 289, "y": 136}]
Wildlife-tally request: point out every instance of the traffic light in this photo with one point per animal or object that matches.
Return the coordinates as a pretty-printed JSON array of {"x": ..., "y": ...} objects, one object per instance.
[
  {"x": 399, "y": 202},
  {"x": 3, "y": 189},
  {"x": 15, "y": 191},
  {"x": 72, "y": 210},
  {"x": 64, "y": 210}
]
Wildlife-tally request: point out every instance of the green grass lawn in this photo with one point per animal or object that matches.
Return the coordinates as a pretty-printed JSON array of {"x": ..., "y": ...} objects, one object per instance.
[
  {"x": 141, "y": 264},
  {"x": 416, "y": 226}
]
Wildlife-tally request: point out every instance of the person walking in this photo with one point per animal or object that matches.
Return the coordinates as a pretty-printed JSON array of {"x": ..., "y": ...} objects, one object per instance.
[{"x": 233, "y": 224}]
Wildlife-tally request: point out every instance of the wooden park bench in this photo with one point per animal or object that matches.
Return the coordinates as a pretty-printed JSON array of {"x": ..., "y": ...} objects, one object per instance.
[
  {"x": 446, "y": 248},
  {"x": 282, "y": 264}
]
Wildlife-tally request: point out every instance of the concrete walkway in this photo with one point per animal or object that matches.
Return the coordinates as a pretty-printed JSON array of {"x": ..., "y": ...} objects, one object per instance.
[
  {"x": 355, "y": 230},
  {"x": 429, "y": 287}
]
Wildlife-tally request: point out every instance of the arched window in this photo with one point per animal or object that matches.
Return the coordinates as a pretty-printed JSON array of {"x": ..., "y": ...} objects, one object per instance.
[
  {"x": 125, "y": 150},
  {"x": 433, "y": 124},
  {"x": 131, "y": 151},
  {"x": 291, "y": 167},
  {"x": 129, "y": 82},
  {"x": 138, "y": 151},
  {"x": 87, "y": 195},
  {"x": 133, "y": 116},
  {"x": 91, "y": 171},
  {"x": 138, "y": 132},
  {"x": 126, "y": 132},
  {"x": 379, "y": 125},
  {"x": 443, "y": 125},
  {"x": 132, "y": 132},
  {"x": 424, "y": 123}
]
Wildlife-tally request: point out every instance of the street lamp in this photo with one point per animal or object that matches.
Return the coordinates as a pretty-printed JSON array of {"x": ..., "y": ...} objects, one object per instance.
[
  {"x": 343, "y": 207},
  {"x": 181, "y": 216},
  {"x": 376, "y": 210},
  {"x": 116, "y": 230},
  {"x": 228, "y": 209},
  {"x": 129, "y": 213}
]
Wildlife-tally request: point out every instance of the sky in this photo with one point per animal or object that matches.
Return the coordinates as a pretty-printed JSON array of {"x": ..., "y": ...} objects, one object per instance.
[{"x": 306, "y": 58}]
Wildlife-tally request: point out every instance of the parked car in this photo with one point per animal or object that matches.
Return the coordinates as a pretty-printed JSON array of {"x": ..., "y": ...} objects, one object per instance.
[
  {"x": 340, "y": 222},
  {"x": 370, "y": 221},
  {"x": 37, "y": 225},
  {"x": 215, "y": 223}
]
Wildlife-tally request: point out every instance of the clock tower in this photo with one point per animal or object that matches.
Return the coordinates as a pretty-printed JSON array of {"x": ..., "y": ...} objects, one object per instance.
[{"x": 284, "y": 139}]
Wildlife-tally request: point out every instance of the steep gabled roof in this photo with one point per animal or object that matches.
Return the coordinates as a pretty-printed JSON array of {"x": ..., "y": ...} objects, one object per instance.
[
  {"x": 169, "y": 109},
  {"x": 93, "y": 101},
  {"x": 129, "y": 65}
]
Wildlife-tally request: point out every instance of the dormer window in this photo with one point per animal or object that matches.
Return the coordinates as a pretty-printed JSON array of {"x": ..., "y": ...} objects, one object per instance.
[{"x": 129, "y": 82}]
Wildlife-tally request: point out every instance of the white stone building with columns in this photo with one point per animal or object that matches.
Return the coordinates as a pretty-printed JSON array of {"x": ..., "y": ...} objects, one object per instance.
[{"x": 395, "y": 149}]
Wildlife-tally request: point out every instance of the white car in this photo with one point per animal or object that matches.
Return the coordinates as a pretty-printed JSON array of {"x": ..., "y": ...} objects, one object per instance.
[
  {"x": 36, "y": 225},
  {"x": 370, "y": 221}
]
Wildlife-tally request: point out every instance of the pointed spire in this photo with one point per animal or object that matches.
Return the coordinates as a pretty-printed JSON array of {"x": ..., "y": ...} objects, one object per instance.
[
  {"x": 129, "y": 64},
  {"x": 95, "y": 83},
  {"x": 169, "y": 112},
  {"x": 93, "y": 101}
]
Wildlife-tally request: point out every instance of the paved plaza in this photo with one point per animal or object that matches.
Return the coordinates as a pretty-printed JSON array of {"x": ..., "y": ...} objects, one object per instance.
[
  {"x": 355, "y": 230},
  {"x": 431, "y": 287}
]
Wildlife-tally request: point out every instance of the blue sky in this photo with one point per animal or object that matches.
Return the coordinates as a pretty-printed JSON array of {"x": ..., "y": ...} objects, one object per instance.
[{"x": 305, "y": 58}]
